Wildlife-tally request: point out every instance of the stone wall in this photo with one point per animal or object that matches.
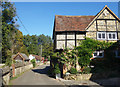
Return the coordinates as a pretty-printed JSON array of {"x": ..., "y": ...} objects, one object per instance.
[
  {"x": 78, "y": 76},
  {"x": 6, "y": 79},
  {"x": 7, "y": 72},
  {"x": 22, "y": 69}
]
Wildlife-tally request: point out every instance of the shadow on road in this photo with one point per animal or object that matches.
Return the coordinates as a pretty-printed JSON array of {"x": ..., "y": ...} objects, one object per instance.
[{"x": 43, "y": 71}]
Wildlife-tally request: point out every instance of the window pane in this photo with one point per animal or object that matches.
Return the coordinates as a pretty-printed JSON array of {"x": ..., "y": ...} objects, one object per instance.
[
  {"x": 100, "y": 54},
  {"x": 110, "y": 36},
  {"x": 99, "y": 35},
  {"x": 113, "y": 36},
  {"x": 95, "y": 54},
  {"x": 103, "y": 35}
]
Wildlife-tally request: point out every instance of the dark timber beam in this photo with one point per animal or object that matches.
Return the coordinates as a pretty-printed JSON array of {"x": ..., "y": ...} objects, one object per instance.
[
  {"x": 75, "y": 40},
  {"x": 116, "y": 28},
  {"x": 66, "y": 40}
]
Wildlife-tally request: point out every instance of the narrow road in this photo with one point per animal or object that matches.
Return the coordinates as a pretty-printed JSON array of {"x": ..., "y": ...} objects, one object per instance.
[{"x": 36, "y": 76}]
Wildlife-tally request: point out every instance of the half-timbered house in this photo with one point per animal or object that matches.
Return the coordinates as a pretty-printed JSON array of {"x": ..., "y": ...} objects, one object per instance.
[{"x": 69, "y": 30}]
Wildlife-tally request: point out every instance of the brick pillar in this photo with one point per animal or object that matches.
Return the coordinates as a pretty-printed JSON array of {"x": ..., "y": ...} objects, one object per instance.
[{"x": 13, "y": 70}]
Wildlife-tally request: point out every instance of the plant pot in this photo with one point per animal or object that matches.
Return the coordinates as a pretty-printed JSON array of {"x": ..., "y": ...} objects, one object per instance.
[{"x": 58, "y": 76}]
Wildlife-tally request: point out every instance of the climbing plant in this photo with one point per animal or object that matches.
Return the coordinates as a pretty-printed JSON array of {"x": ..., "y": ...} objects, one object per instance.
[
  {"x": 83, "y": 53},
  {"x": 85, "y": 50}
]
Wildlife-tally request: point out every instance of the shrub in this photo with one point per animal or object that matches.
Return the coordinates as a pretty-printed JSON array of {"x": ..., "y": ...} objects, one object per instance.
[
  {"x": 87, "y": 70},
  {"x": 33, "y": 62},
  {"x": 57, "y": 69},
  {"x": 73, "y": 70}
]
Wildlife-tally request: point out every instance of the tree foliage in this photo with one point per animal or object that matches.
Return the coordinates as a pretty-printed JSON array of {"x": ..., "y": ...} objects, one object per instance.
[
  {"x": 8, "y": 14},
  {"x": 12, "y": 38},
  {"x": 34, "y": 44},
  {"x": 86, "y": 48},
  {"x": 83, "y": 53},
  {"x": 33, "y": 61}
]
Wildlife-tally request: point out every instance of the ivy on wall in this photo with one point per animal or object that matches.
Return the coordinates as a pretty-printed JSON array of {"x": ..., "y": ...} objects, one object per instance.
[{"x": 83, "y": 52}]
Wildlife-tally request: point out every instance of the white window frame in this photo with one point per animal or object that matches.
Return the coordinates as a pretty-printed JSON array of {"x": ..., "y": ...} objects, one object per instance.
[
  {"x": 98, "y": 52},
  {"x": 112, "y": 35},
  {"x": 116, "y": 54},
  {"x": 101, "y": 35}
]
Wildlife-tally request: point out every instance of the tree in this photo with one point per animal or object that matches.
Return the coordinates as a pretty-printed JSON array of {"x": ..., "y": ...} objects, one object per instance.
[
  {"x": 8, "y": 21},
  {"x": 33, "y": 44},
  {"x": 12, "y": 38}
]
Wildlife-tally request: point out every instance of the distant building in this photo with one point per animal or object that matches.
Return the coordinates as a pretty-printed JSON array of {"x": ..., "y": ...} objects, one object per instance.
[
  {"x": 20, "y": 57},
  {"x": 31, "y": 57},
  {"x": 36, "y": 57}
]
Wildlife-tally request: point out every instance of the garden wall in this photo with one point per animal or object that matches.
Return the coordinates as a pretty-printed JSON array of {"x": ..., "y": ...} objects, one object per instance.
[
  {"x": 78, "y": 76},
  {"x": 22, "y": 69},
  {"x": 8, "y": 72}
]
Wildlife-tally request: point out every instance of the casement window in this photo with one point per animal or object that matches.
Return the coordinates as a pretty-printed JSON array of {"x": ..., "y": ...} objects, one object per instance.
[
  {"x": 107, "y": 36},
  {"x": 117, "y": 53},
  {"x": 98, "y": 54},
  {"x": 101, "y": 35},
  {"x": 112, "y": 35}
]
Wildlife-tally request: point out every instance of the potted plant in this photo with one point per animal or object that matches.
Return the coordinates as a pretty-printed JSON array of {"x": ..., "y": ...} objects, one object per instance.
[{"x": 57, "y": 71}]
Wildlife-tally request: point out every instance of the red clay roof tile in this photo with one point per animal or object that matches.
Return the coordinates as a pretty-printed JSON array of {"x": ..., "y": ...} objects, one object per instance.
[{"x": 72, "y": 23}]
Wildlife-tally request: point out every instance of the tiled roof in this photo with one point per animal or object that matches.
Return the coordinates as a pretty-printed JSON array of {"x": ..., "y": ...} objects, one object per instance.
[
  {"x": 24, "y": 56},
  {"x": 72, "y": 23},
  {"x": 37, "y": 57}
]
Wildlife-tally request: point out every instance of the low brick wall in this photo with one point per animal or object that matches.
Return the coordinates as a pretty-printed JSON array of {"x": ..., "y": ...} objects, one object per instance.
[{"x": 78, "y": 76}]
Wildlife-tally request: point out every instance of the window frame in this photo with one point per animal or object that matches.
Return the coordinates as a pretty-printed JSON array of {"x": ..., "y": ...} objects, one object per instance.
[
  {"x": 101, "y": 35},
  {"x": 98, "y": 52},
  {"x": 112, "y": 35}
]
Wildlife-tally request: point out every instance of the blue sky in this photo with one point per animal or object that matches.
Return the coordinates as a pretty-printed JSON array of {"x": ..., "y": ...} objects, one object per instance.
[{"x": 38, "y": 17}]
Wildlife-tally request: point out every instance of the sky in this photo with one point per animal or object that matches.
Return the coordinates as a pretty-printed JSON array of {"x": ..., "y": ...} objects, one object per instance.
[{"x": 38, "y": 17}]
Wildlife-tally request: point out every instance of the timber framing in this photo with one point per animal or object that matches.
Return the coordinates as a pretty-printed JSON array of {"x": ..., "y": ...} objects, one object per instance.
[
  {"x": 71, "y": 29},
  {"x": 20, "y": 56},
  {"x": 66, "y": 39}
]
